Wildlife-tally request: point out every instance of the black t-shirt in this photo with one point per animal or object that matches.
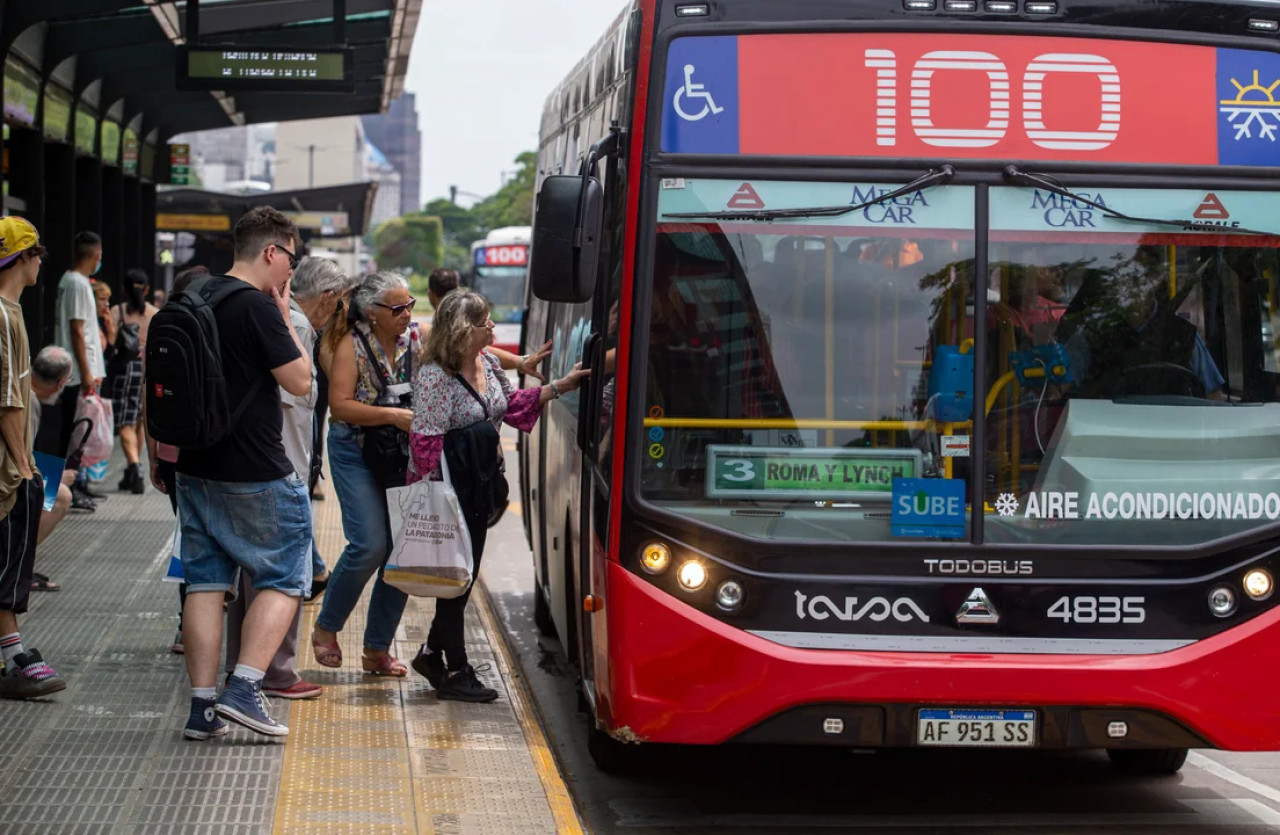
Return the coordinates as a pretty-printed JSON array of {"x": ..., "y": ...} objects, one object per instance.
[{"x": 254, "y": 340}]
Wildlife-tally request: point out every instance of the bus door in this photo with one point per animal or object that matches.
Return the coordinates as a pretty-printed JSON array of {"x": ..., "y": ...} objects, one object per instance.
[{"x": 596, "y": 424}]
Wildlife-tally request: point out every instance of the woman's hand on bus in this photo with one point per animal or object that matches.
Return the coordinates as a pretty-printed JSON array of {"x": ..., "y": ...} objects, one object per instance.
[
  {"x": 529, "y": 363},
  {"x": 400, "y": 418},
  {"x": 573, "y": 380}
]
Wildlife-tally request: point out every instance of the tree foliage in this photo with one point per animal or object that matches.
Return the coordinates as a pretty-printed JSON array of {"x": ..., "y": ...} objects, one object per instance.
[
  {"x": 414, "y": 242},
  {"x": 511, "y": 205}
]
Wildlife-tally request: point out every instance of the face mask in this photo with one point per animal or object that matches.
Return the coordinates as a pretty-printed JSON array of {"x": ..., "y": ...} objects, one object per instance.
[{"x": 97, "y": 268}]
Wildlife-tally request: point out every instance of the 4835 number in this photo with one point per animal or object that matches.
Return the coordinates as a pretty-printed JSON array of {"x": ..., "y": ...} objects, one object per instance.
[{"x": 1099, "y": 609}]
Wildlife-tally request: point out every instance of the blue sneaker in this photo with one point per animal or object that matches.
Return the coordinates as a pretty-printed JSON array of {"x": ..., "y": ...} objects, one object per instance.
[
  {"x": 203, "y": 721},
  {"x": 243, "y": 703}
]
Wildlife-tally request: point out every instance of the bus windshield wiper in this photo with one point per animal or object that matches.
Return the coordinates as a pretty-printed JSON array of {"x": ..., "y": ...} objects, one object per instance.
[
  {"x": 1017, "y": 176},
  {"x": 935, "y": 177}
]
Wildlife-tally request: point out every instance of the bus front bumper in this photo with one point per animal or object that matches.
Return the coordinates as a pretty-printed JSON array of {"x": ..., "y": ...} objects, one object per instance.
[{"x": 677, "y": 675}]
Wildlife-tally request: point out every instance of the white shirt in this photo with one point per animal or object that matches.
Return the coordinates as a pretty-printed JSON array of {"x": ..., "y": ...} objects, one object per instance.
[
  {"x": 300, "y": 412},
  {"x": 76, "y": 301}
]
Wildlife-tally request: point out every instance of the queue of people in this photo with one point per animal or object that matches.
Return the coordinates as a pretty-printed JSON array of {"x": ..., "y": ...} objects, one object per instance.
[{"x": 298, "y": 338}]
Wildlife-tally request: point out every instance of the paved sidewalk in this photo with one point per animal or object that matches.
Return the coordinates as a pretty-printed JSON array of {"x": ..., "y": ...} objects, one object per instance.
[{"x": 372, "y": 755}]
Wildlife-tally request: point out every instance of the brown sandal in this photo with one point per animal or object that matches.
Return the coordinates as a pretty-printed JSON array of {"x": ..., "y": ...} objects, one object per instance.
[
  {"x": 327, "y": 654},
  {"x": 383, "y": 664}
]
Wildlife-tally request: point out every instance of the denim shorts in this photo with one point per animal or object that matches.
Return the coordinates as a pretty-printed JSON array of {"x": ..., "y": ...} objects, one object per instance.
[{"x": 263, "y": 527}]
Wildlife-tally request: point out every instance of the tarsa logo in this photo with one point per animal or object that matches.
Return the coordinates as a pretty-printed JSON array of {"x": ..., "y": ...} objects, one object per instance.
[
  {"x": 1010, "y": 568},
  {"x": 998, "y": 94},
  {"x": 898, "y": 210},
  {"x": 878, "y": 609}
]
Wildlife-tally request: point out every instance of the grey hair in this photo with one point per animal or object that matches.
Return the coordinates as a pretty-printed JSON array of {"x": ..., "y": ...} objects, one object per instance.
[
  {"x": 372, "y": 288},
  {"x": 52, "y": 365},
  {"x": 316, "y": 276}
]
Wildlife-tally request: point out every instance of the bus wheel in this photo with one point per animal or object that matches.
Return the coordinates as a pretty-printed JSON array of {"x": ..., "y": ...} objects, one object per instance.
[
  {"x": 609, "y": 755},
  {"x": 1148, "y": 761},
  {"x": 542, "y": 612}
]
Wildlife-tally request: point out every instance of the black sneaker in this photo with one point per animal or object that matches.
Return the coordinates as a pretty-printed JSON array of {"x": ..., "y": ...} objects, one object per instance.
[
  {"x": 79, "y": 501},
  {"x": 28, "y": 677},
  {"x": 463, "y": 686},
  {"x": 430, "y": 665}
]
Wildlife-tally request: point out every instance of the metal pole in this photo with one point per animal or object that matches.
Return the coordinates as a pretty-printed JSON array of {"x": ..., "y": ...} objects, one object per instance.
[
  {"x": 193, "y": 22},
  {"x": 311, "y": 166},
  {"x": 340, "y": 22}
]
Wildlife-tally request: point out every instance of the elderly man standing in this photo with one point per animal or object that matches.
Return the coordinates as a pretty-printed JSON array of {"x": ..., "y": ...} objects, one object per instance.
[{"x": 319, "y": 286}]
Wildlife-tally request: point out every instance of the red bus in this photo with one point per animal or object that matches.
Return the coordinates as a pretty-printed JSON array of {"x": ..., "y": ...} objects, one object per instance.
[{"x": 936, "y": 376}]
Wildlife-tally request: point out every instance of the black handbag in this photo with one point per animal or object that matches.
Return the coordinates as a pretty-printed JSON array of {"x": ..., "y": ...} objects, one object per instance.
[
  {"x": 385, "y": 448},
  {"x": 499, "y": 489}
]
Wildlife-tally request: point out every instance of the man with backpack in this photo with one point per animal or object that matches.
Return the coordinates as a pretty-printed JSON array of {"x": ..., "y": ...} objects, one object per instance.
[{"x": 217, "y": 356}]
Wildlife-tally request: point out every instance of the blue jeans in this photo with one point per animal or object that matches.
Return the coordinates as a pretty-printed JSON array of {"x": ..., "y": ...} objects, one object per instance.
[
  {"x": 261, "y": 527},
  {"x": 368, "y": 530}
]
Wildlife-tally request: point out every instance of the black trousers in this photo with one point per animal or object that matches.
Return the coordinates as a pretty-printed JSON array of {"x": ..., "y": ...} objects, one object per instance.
[
  {"x": 448, "y": 632},
  {"x": 18, "y": 531}
]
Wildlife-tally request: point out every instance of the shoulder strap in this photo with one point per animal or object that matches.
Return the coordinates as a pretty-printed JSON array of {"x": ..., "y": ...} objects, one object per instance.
[
  {"x": 473, "y": 393},
  {"x": 383, "y": 382}
]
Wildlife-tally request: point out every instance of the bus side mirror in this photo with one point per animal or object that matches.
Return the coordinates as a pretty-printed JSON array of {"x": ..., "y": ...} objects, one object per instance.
[{"x": 566, "y": 239}]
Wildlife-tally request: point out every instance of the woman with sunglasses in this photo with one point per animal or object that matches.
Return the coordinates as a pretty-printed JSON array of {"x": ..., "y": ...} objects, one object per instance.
[{"x": 369, "y": 356}]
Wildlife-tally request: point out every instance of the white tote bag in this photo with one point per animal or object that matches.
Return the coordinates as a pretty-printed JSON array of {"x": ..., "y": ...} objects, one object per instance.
[{"x": 431, "y": 547}]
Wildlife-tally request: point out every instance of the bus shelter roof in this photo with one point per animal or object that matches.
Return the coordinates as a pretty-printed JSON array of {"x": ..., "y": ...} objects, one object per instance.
[{"x": 118, "y": 56}]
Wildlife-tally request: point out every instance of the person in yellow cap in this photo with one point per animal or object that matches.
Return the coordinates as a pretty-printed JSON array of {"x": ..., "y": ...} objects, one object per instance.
[{"x": 25, "y": 674}]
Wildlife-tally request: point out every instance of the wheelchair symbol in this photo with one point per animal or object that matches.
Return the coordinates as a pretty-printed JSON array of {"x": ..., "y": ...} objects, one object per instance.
[{"x": 690, "y": 90}]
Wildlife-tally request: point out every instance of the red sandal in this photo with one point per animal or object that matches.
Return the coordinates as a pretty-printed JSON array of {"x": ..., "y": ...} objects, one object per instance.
[
  {"x": 383, "y": 664},
  {"x": 327, "y": 654}
]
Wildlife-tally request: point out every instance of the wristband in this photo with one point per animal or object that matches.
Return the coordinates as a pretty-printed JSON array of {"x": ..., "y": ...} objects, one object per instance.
[{"x": 555, "y": 391}]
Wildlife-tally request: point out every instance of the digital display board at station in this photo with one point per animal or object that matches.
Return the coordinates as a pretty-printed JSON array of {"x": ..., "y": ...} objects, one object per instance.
[{"x": 231, "y": 68}]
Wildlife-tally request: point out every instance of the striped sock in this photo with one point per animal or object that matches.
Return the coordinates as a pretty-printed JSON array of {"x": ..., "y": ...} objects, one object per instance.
[{"x": 10, "y": 646}]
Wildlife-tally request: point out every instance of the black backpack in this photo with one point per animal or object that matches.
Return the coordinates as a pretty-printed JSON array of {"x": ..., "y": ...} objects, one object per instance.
[{"x": 185, "y": 388}]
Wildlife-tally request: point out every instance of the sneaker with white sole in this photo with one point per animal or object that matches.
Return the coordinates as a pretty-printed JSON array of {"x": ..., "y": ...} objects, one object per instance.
[
  {"x": 298, "y": 690},
  {"x": 203, "y": 722},
  {"x": 28, "y": 677},
  {"x": 243, "y": 703}
]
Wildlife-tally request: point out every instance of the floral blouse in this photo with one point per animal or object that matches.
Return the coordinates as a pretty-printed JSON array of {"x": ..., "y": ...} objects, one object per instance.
[
  {"x": 367, "y": 386},
  {"x": 441, "y": 404}
]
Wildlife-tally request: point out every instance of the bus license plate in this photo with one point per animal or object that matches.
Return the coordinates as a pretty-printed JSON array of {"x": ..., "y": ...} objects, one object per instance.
[{"x": 977, "y": 728}]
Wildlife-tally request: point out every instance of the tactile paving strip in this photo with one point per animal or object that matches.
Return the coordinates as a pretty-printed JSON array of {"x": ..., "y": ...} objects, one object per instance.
[{"x": 440, "y": 766}]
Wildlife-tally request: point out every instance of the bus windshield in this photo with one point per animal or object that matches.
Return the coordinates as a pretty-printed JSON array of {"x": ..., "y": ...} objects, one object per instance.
[
  {"x": 504, "y": 288},
  {"x": 804, "y": 377}
]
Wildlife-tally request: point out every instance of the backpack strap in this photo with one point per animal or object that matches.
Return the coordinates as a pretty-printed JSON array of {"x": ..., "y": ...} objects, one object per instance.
[{"x": 221, "y": 291}]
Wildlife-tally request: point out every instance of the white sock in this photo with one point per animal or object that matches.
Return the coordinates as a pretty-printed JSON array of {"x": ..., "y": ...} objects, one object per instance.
[
  {"x": 10, "y": 646},
  {"x": 246, "y": 672},
  {"x": 206, "y": 693}
]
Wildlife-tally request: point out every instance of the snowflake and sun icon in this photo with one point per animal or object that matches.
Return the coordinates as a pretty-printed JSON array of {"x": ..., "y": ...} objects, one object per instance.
[{"x": 1254, "y": 104}]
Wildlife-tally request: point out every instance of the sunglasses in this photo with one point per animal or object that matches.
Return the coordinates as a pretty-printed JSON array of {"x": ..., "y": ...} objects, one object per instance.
[
  {"x": 293, "y": 259},
  {"x": 398, "y": 309}
]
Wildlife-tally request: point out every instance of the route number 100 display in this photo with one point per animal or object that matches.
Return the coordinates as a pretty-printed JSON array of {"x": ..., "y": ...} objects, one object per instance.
[
  {"x": 1099, "y": 610},
  {"x": 885, "y": 63}
]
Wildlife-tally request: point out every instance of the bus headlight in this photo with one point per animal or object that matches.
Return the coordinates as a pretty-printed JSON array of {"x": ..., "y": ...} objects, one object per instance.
[
  {"x": 729, "y": 595},
  {"x": 1258, "y": 584},
  {"x": 692, "y": 576},
  {"x": 656, "y": 558},
  {"x": 1222, "y": 601}
]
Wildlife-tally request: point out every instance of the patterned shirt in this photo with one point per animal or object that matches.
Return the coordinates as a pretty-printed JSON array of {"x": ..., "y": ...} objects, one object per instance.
[
  {"x": 367, "y": 385},
  {"x": 441, "y": 404}
]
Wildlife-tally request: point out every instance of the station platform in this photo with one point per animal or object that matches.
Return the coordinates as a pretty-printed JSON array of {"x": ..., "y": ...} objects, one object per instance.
[{"x": 371, "y": 755}]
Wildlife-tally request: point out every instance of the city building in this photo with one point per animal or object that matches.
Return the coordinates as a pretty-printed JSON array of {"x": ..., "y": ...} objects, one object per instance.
[{"x": 397, "y": 135}]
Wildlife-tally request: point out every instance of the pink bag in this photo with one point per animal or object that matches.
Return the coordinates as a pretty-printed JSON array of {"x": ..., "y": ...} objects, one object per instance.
[{"x": 98, "y": 444}]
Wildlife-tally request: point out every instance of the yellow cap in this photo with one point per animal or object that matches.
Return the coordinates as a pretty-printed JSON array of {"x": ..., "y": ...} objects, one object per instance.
[{"x": 17, "y": 235}]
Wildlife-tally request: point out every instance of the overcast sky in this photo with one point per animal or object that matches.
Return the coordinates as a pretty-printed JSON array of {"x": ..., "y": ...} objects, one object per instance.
[{"x": 482, "y": 70}]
